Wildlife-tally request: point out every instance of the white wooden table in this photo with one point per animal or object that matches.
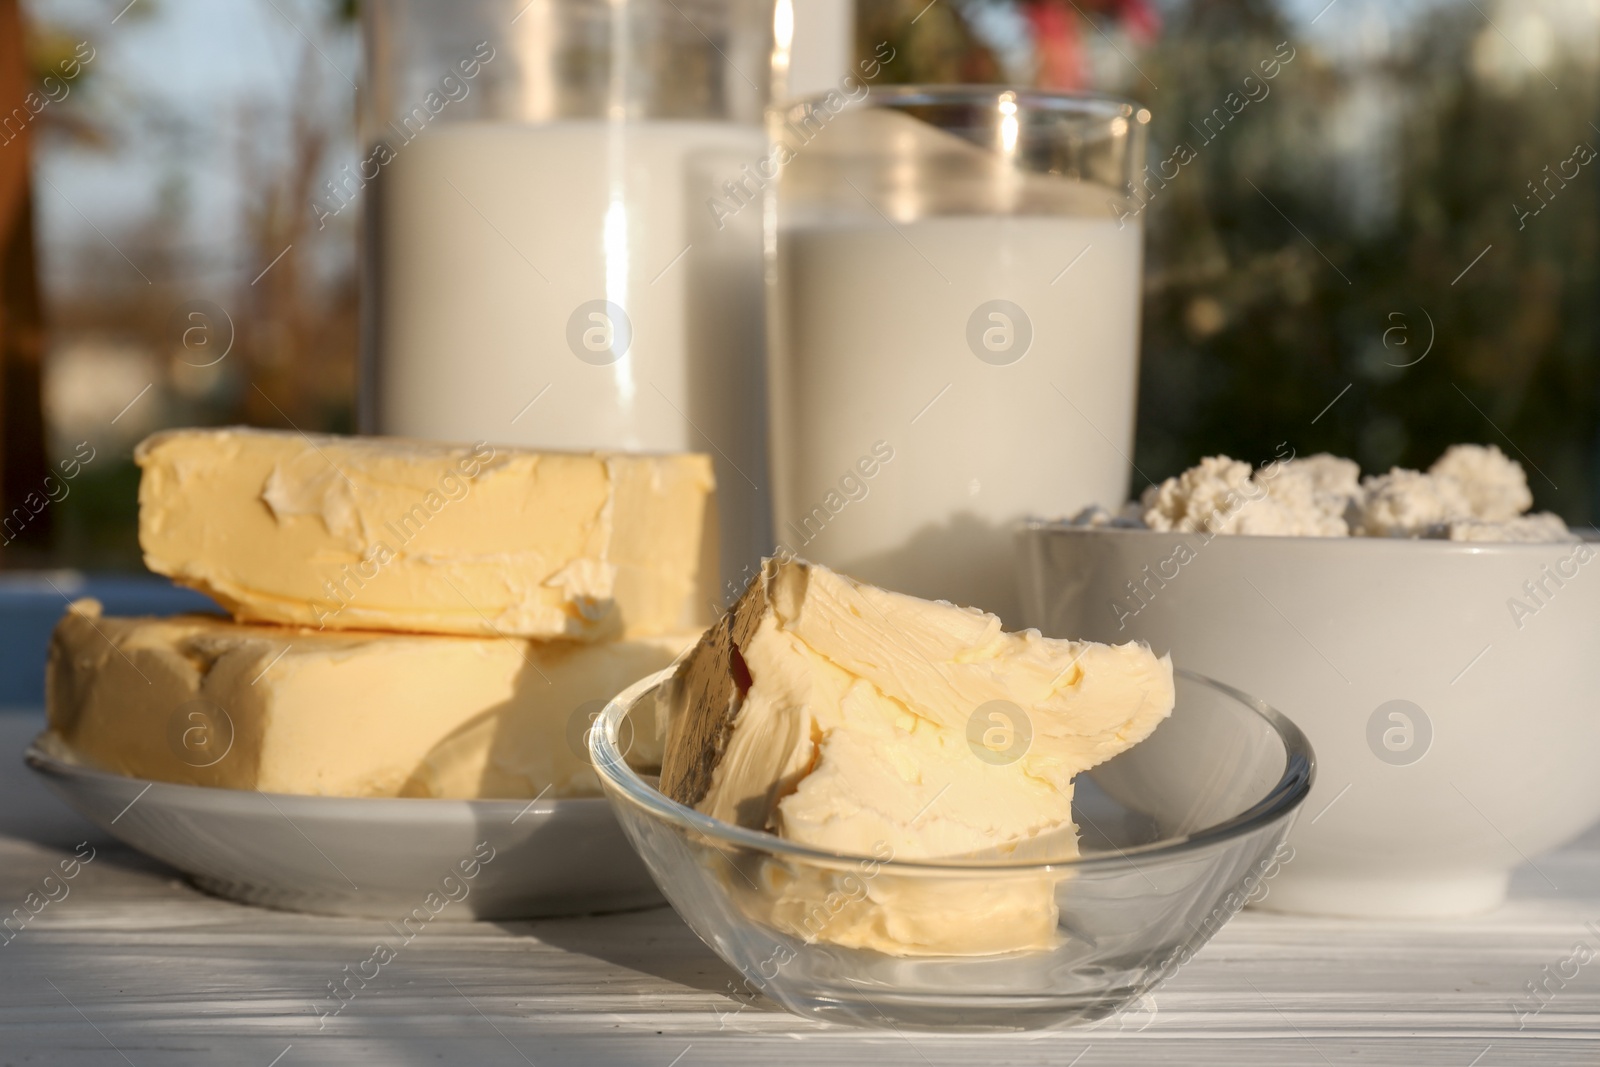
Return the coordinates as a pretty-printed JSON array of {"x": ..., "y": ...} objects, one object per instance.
[{"x": 134, "y": 966}]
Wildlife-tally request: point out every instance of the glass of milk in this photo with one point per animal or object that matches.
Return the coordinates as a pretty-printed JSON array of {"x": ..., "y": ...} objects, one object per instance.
[
  {"x": 551, "y": 260},
  {"x": 955, "y": 326}
]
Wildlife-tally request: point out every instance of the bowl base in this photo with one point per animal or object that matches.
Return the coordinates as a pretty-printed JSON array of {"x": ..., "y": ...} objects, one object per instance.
[
  {"x": 925, "y": 1013},
  {"x": 1391, "y": 896}
]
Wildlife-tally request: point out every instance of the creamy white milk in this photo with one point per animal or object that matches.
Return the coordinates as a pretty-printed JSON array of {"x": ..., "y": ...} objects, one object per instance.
[
  {"x": 492, "y": 239},
  {"x": 873, "y": 327}
]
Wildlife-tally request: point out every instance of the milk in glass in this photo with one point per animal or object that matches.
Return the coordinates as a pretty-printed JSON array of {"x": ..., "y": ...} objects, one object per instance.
[{"x": 565, "y": 285}]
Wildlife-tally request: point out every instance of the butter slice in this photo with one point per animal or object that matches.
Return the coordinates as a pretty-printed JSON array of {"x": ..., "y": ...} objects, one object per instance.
[
  {"x": 200, "y": 700},
  {"x": 382, "y": 534},
  {"x": 870, "y": 723}
]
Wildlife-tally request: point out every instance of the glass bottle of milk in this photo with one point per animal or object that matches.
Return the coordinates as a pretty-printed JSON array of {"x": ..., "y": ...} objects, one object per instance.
[
  {"x": 553, "y": 258},
  {"x": 955, "y": 327}
]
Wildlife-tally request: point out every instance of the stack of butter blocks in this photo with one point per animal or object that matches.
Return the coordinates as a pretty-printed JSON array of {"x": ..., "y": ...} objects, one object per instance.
[{"x": 408, "y": 619}]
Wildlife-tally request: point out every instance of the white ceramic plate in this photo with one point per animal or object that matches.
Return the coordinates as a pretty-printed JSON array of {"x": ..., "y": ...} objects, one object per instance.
[{"x": 374, "y": 857}]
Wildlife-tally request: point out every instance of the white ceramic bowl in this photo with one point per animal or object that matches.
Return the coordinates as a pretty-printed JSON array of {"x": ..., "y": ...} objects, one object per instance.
[
  {"x": 1457, "y": 735},
  {"x": 407, "y": 860}
]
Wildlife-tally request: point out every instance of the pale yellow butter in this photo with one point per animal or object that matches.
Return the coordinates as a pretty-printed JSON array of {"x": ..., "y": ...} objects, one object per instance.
[
  {"x": 201, "y": 700},
  {"x": 874, "y": 724},
  {"x": 382, "y": 534}
]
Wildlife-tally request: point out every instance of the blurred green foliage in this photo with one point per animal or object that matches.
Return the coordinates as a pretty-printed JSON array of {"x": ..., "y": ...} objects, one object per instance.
[{"x": 1302, "y": 255}]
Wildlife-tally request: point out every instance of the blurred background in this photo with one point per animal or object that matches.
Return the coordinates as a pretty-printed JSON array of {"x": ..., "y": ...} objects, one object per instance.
[{"x": 1387, "y": 247}]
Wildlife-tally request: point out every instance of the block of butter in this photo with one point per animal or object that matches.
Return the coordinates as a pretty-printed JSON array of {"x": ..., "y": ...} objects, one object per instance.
[
  {"x": 377, "y": 534},
  {"x": 201, "y": 700},
  {"x": 874, "y": 724}
]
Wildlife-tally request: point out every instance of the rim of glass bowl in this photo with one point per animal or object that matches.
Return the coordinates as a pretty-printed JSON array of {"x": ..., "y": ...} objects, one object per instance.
[
  {"x": 1278, "y": 803},
  {"x": 893, "y": 97}
]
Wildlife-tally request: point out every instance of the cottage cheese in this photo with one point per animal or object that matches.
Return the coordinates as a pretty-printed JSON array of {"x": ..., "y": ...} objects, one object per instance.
[
  {"x": 1493, "y": 483},
  {"x": 1471, "y": 493}
]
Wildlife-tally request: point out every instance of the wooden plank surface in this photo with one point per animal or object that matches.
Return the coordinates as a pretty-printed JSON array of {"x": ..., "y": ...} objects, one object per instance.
[{"x": 134, "y": 966}]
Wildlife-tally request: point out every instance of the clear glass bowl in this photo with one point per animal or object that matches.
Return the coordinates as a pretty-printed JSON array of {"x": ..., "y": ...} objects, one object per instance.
[{"x": 1178, "y": 833}]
